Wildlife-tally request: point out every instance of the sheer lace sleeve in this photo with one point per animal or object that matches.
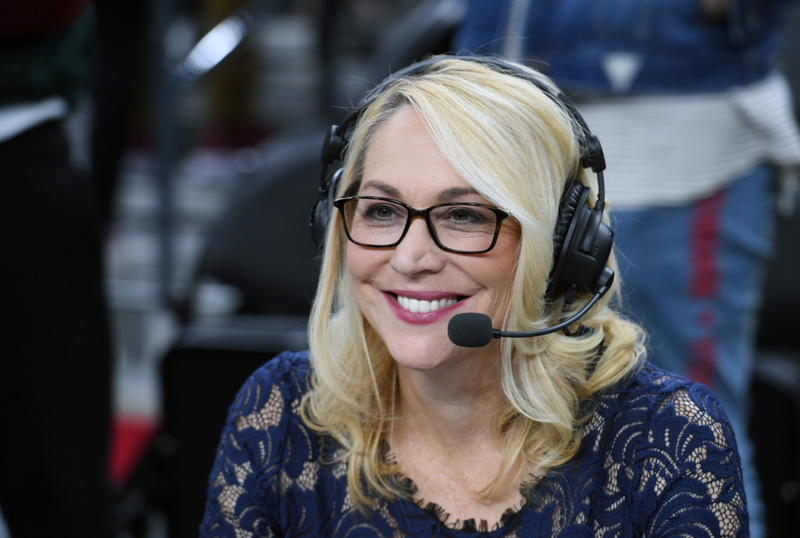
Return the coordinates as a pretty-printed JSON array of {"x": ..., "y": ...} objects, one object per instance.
[
  {"x": 691, "y": 480},
  {"x": 244, "y": 490}
]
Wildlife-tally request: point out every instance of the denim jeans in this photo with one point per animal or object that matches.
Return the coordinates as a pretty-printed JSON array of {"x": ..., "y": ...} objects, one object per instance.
[{"x": 692, "y": 277}]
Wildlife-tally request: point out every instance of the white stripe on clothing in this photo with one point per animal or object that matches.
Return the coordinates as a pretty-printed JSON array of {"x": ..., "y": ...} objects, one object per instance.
[{"x": 672, "y": 149}]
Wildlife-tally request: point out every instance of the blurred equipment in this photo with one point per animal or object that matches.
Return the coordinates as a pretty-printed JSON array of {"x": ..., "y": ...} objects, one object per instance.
[{"x": 261, "y": 246}]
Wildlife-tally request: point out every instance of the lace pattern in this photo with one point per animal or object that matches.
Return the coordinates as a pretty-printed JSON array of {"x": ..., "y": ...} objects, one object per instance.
[{"x": 657, "y": 458}]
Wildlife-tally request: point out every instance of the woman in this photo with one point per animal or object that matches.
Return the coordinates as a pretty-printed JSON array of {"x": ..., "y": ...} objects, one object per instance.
[{"x": 387, "y": 428}]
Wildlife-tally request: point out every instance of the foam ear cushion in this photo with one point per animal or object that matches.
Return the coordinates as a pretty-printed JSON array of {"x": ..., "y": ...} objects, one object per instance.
[
  {"x": 320, "y": 213},
  {"x": 566, "y": 212},
  {"x": 321, "y": 210}
]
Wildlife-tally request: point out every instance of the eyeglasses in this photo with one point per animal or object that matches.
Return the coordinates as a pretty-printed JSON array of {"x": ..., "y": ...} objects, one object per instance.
[{"x": 460, "y": 227}]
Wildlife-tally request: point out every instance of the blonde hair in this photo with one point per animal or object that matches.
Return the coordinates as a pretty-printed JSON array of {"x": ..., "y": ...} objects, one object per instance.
[{"x": 518, "y": 148}]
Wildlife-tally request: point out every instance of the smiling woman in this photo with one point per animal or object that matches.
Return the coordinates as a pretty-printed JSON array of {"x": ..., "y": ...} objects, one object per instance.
[
  {"x": 465, "y": 187},
  {"x": 403, "y": 160}
]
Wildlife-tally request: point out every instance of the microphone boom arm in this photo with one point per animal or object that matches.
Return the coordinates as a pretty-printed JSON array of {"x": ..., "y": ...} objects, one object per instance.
[
  {"x": 474, "y": 329},
  {"x": 603, "y": 285}
]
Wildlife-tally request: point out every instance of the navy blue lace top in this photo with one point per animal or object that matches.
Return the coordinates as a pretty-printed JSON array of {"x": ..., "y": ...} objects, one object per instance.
[{"x": 657, "y": 458}]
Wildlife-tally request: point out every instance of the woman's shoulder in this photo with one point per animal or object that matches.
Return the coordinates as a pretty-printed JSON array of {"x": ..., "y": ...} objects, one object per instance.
[
  {"x": 266, "y": 416},
  {"x": 675, "y": 447},
  {"x": 667, "y": 393},
  {"x": 290, "y": 369},
  {"x": 667, "y": 453},
  {"x": 283, "y": 379},
  {"x": 650, "y": 396},
  {"x": 264, "y": 450}
]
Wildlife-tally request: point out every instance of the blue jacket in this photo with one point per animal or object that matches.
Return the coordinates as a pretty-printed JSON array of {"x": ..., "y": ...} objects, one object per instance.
[{"x": 676, "y": 47}]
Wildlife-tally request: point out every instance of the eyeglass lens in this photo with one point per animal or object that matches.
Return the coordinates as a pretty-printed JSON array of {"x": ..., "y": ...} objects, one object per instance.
[{"x": 380, "y": 223}]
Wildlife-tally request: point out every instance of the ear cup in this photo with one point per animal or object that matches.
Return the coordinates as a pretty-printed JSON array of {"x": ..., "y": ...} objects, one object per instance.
[
  {"x": 321, "y": 210},
  {"x": 565, "y": 213},
  {"x": 318, "y": 220},
  {"x": 569, "y": 216},
  {"x": 582, "y": 244}
]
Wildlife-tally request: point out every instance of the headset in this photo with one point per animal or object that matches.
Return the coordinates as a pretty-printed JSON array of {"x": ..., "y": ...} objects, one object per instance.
[{"x": 582, "y": 241}]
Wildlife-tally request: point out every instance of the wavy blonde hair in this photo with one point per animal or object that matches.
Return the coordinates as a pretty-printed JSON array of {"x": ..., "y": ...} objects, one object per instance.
[{"x": 517, "y": 148}]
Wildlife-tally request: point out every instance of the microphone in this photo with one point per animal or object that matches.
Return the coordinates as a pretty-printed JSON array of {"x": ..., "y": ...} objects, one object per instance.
[{"x": 473, "y": 329}]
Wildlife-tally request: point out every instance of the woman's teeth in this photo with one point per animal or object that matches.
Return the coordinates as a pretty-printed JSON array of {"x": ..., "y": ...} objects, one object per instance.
[{"x": 423, "y": 307}]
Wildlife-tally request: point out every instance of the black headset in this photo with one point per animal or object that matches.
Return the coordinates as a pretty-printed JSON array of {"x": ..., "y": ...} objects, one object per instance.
[{"x": 582, "y": 241}]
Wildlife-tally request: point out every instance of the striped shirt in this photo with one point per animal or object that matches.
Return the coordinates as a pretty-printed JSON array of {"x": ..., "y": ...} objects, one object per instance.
[{"x": 673, "y": 149}]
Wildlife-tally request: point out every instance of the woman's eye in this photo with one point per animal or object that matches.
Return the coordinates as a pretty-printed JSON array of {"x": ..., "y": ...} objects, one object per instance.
[
  {"x": 467, "y": 219},
  {"x": 462, "y": 216},
  {"x": 381, "y": 212},
  {"x": 465, "y": 216}
]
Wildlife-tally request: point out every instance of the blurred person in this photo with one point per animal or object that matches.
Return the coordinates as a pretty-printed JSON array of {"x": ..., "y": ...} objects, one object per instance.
[
  {"x": 55, "y": 372},
  {"x": 385, "y": 427},
  {"x": 696, "y": 120}
]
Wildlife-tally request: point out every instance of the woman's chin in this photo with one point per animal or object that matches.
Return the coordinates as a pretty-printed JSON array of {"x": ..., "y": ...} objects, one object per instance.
[{"x": 424, "y": 355}]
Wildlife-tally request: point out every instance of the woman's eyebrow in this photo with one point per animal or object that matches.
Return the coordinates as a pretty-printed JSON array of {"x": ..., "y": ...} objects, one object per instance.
[
  {"x": 388, "y": 190},
  {"x": 448, "y": 195}
]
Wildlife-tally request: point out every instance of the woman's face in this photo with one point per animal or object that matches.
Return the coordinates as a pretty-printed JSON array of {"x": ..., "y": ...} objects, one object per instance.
[{"x": 404, "y": 163}]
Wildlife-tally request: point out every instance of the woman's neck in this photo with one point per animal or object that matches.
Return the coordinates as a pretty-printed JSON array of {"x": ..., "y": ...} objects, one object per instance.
[
  {"x": 450, "y": 404},
  {"x": 444, "y": 440}
]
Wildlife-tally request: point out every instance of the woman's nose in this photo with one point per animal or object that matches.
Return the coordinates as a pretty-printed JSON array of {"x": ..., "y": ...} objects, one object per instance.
[{"x": 417, "y": 252}]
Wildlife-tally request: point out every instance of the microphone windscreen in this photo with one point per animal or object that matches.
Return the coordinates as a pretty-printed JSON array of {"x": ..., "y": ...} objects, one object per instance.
[{"x": 470, "y": 329}]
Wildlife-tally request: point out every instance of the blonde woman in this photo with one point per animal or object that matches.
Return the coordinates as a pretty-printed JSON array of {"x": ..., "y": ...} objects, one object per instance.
[{"x": 461, "y": 181}]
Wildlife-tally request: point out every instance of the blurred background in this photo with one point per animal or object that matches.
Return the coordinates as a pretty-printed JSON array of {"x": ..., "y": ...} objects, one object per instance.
[{"x": 202, "y": 129}]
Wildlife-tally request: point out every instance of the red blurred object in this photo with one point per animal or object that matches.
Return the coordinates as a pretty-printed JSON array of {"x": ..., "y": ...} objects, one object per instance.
[{"x": 130, "y": 437}]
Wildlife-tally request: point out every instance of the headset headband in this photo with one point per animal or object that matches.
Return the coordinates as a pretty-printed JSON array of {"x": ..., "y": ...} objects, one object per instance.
[{"x": 592, "y": 156}]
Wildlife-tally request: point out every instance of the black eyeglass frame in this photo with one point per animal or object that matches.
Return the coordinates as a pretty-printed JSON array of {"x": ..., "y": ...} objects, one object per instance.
[{"x": 425, "y": 214}]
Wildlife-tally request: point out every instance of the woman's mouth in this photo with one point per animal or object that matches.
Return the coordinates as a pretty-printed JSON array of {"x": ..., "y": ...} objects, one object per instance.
[{"x": 421, "y": 306}]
